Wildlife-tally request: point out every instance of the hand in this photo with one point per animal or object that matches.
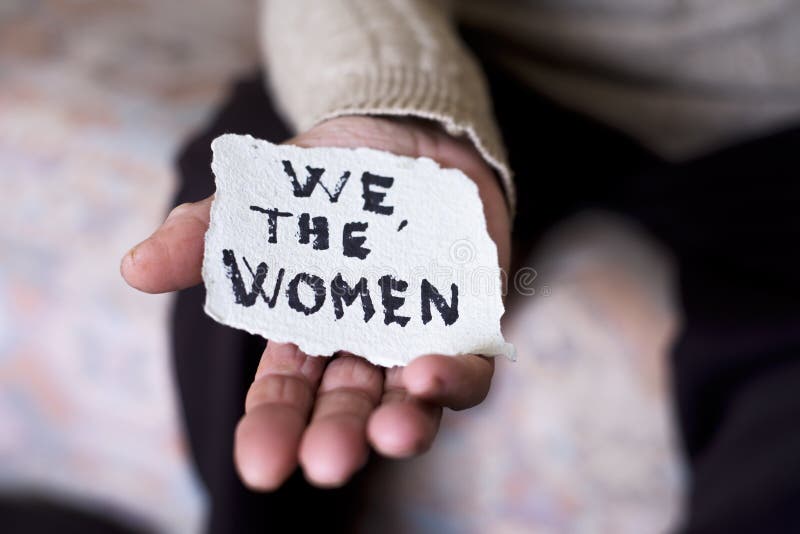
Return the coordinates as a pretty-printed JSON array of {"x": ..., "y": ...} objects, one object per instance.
[{"x": 323, "y": 412}]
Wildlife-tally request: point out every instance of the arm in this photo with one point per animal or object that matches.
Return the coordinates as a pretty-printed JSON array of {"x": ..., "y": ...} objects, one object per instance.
[
  {"x": 325, "y": 413},
  {"x": 335, "y": 58}
]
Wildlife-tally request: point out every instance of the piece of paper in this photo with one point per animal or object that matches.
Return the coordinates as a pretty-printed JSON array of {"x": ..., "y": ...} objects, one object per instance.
[{"x": 354, "y": 250}]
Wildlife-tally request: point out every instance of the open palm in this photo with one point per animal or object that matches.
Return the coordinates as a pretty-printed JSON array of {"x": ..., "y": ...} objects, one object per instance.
[{"x": 324, "y": 413}]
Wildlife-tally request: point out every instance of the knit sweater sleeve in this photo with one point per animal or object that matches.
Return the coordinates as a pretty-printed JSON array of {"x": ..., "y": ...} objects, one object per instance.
[{"x": 328, "y": 58}]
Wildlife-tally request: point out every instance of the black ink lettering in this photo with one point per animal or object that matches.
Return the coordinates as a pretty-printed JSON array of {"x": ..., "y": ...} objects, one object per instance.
[
  {"x": 390, "y": 302},
  {"x": 263, "y": 266},
  {"x": 314, "y": 177},
  {"x": 342, "y": 292},
  {"x": 241, "y": 295},
  {"x": 315, "y": 283},
  {"x": 320, "y": 231},
  {"x": 430, "y": 294},
  {"x": 403, "y": 224},
  {"x": 373, "y": 199},
  {"x": 352, "y": 245},
  {"x": 272, "y": 221}
]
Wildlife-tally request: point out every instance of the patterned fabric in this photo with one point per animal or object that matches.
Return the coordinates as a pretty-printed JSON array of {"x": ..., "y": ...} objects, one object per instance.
[
  {"x": 576, "y": 435},
  {"x": 96, "y": 97}
]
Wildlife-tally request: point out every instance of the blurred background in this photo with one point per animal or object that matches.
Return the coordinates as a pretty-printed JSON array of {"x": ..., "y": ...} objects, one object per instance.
[{"x": 96, "y": 98}]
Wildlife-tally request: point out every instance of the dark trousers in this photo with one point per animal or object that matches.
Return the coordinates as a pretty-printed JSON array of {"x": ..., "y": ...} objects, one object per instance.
[{"x": 732, "y": 220}]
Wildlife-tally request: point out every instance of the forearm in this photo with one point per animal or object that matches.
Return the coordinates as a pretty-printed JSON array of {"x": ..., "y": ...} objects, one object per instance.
[{"x": 343, "y": 57}]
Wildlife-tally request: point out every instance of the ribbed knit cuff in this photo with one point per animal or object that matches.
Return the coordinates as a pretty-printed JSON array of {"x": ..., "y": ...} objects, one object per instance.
[{"x": 462, "y": 108}]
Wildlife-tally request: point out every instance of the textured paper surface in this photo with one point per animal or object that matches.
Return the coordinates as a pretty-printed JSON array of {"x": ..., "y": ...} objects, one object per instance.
[{"x": 407, "y": 238}]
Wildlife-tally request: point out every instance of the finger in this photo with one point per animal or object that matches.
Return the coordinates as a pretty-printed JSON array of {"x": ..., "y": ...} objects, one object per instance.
[
  {"x": 403, "y": 425},
  {"x": 276, "y": 413},
  {"x": 171, "y": 258},
  {"x": 335, "y": 445},
  {"x": 457, "y": 382}
]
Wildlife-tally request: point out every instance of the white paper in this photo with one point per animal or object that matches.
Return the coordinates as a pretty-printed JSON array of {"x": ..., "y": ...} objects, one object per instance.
[{"x": 423, "y": 225}]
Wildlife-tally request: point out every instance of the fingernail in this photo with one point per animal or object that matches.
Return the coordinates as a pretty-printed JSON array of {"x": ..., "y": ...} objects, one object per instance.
[{"x": 128, "y": 259}]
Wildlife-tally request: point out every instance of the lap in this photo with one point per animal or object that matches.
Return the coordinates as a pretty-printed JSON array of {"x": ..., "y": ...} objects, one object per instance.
[{"x": 731, "y": 220}]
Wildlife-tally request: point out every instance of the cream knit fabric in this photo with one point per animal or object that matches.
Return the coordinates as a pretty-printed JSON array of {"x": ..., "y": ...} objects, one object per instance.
[
  {"x": 328, "y": 58},
  {"x": 682, "y": 76}
]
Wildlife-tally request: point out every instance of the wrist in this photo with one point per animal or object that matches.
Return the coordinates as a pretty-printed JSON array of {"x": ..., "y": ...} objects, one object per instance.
[
  {"x": 416, "y": 137},
  {"x": 402, "y": 135}
]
